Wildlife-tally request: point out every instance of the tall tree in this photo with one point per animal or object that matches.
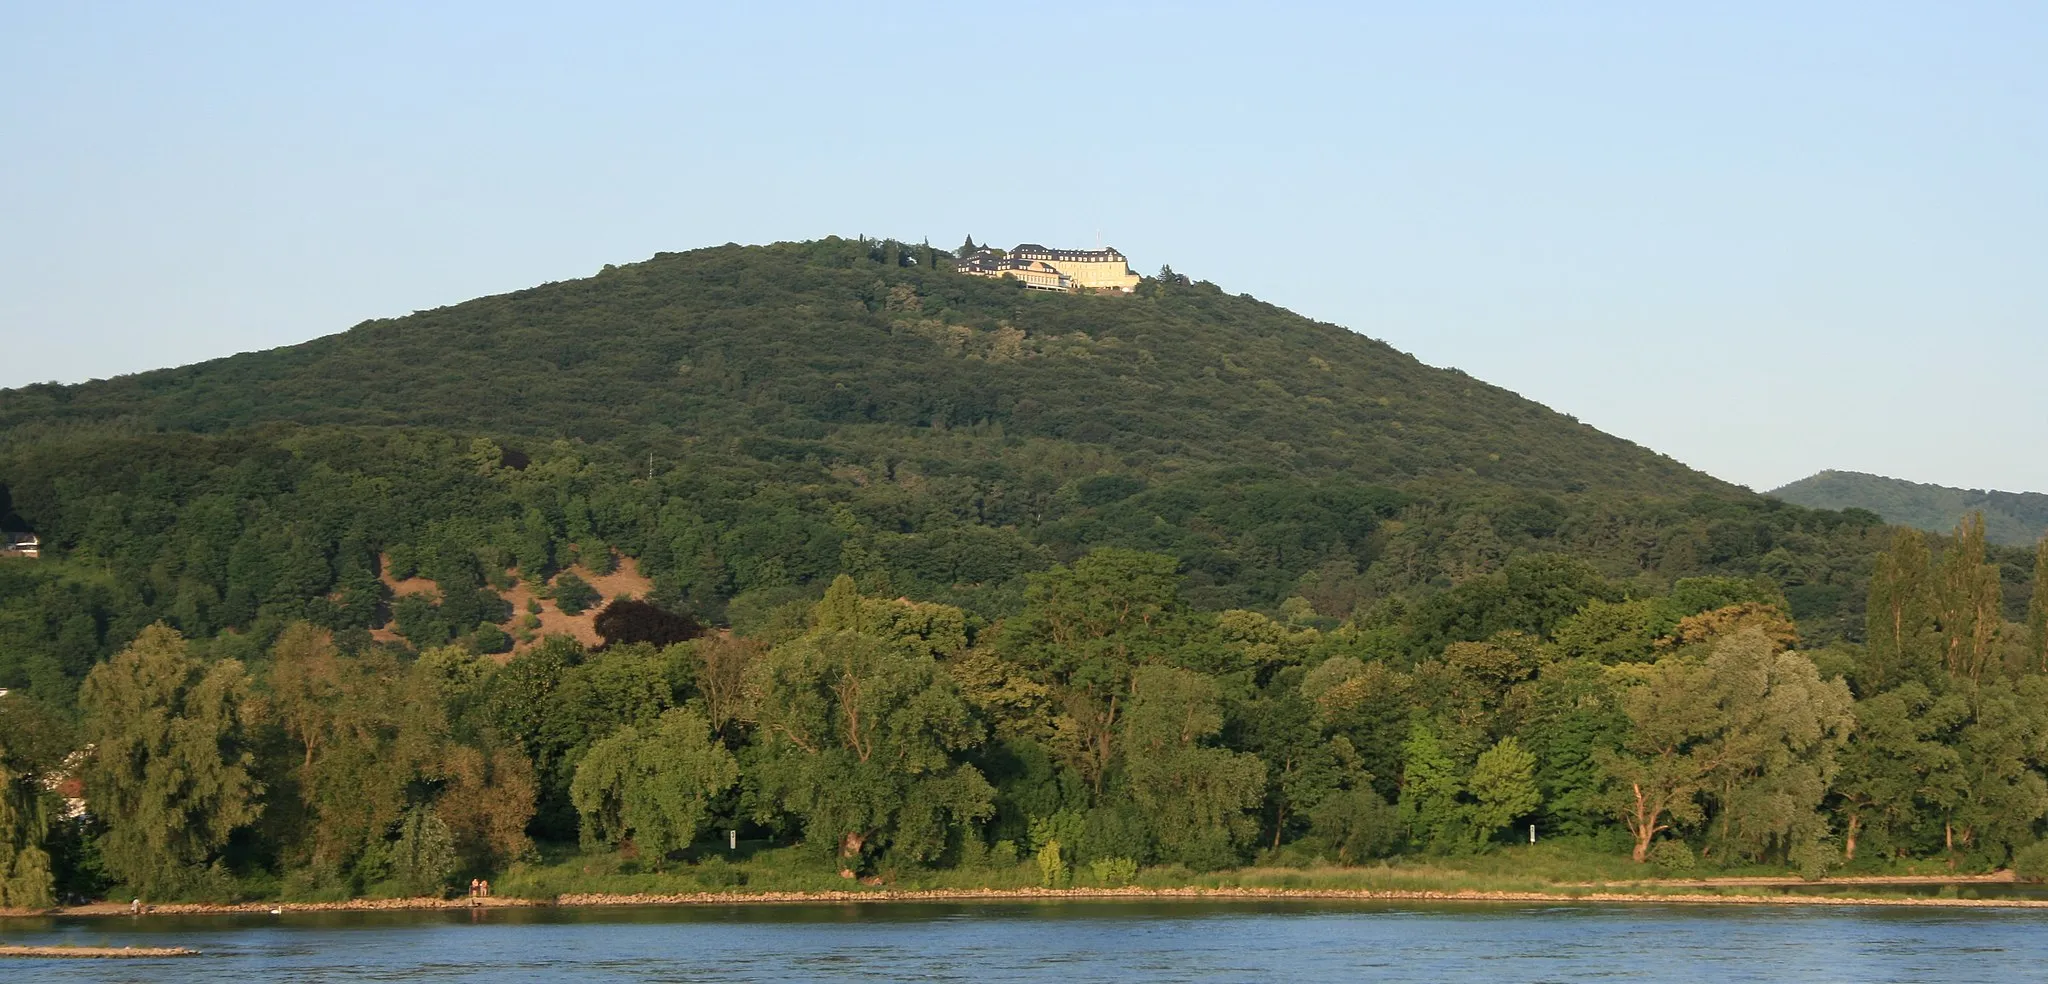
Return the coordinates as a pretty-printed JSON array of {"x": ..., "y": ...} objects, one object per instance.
[
  {"x": 1899, "y": 617},
  {"x": 1751, "y": 724},
  {"x": 1899, "y": 766},
  {"x": 653, "y": 785},
  {"x": 862, "y": 735},
  {"x": 25, "y": 878},
  {"x": 342, "y": 713},
  {"x": 1197, "y": 796},
  {"x": 170, "y": 768},
  {"x": 1967, "y": 602},
  {"x": 1503, "y": 788},
  {"x": 2037, "y": 613},
  {"x": 1085, "y": 629}
]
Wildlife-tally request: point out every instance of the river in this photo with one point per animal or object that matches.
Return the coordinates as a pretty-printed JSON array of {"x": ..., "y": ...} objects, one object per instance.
[{"x": 1138, "y": 942}]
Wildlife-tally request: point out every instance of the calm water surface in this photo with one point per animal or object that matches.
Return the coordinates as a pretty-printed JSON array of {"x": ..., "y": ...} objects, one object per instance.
[{"x": 1070, "y": 943}]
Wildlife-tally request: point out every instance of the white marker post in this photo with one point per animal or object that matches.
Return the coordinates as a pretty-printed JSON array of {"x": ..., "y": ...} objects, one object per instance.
[
  {"x": 732, "y": 840},
  {"x": 1532, "y": 833}
]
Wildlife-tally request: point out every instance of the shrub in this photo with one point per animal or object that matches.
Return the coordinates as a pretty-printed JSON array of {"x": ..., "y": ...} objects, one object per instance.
[
  {"x": 488, "y": 638},
  {"x": 424, "y": 855},
  {"x": 1113, "y": 872},
  {"x": 1671, "y": 857},
  {"x": 1052, "y": 871},
  {"x": 626, "y": 620},
  {"x": 2030, "y": 863},
  {"x": 573, "y": 594}
]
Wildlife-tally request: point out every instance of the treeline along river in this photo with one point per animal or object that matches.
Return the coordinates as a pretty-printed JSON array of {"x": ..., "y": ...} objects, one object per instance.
[{"x": 1124, "y": 942}]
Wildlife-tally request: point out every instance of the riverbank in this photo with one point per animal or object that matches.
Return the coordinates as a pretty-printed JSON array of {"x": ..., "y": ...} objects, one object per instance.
[
  {"x": 95, "y": 952},
  {"x": 1744, "y": 891}
]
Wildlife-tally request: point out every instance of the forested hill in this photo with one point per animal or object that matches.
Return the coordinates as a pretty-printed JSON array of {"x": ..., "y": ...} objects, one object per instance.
[
  {"x": 1006, "y": 584},
  {"x": 806, "y": 350},
  {"x": 2015, "y": 519},
  {"x": 742, "y": 424}
]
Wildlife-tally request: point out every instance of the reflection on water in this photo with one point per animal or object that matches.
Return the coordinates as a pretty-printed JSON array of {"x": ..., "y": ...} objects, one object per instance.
[{"x": 1068, "y": 942}]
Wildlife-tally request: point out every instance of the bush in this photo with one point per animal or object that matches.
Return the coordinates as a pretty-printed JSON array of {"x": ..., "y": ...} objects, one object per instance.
[
  {"x": 1113, "y": 872},
  {"x": 1357, "y": 825},
  {"x": 1672, "y": 857},
  {"x": 573, "y": 594},
  {"x": 488, "y": 638},
  {"x": 1814, "y": 858},
  {"x": 1003, "y": 856},
  {"x": 2030, "y": 863},
  {"x": 424, "y": 855},
  {"x": 626, "y": 620},
  {"x": 1052, "y": 871}
]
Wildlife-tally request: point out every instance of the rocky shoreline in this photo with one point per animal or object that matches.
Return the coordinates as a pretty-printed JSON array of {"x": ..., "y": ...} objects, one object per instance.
[
  {"x": 95, "y": 952},
  {"x": 591, "y": 900}
]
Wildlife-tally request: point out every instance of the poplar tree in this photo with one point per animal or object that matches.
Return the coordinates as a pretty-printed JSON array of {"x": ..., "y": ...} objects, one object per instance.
[
  {"x": 170, "y": 768},
  {"x": 2037, "y": 613},
  {"x": 1899, "y": 619},
  {"x": 1967, "y": 602}
]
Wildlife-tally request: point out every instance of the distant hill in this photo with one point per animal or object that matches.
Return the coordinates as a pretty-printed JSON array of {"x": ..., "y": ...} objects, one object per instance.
[{"x": 2015, "y": 519}]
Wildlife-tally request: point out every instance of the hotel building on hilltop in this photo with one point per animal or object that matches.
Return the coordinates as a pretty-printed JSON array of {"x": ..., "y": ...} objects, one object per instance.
[{"x": 1055, "y": 269}]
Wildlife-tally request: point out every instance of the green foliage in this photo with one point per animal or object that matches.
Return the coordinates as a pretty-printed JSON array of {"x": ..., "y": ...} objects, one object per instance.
[
  {"x": 1053, "y": 871},
  {"x": 573, "y": 594},
  {"x": 423, "y": 856},
  {"x": 654, "y": 788},
  {"x": 2030, "y": 863},
  {"x": 1196, "y": 796},
  {"x": 170, "y": 770},
  {"x": 1430, "y": 787},
  {"x": 1502, "y": 787},
  {"x": 1113, "y": 872},
  {"x": 1672, "y": 857},
  {"x": 1167, "y": 579},
  {"x": 1357, "y": 825},
  {"x": 2014, "y": 519},
  {"x": 861, "y": 729}
]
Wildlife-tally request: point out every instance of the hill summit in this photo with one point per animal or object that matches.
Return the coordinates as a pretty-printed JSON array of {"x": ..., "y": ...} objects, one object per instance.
[{"x": 796, "y": 348}]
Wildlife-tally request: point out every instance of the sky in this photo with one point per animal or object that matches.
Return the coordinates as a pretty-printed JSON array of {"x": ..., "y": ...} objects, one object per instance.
[{"x": 1765, "y": 239}]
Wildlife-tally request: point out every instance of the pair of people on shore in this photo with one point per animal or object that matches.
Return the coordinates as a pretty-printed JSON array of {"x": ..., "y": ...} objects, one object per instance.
[{"x": 479, "y": 888}]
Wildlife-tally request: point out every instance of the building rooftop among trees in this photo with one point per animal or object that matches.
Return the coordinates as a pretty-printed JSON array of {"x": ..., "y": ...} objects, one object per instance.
[{"x": 1054, "y": 269}]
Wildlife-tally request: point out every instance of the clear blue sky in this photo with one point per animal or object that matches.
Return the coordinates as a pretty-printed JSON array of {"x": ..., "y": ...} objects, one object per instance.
[{"x": 1763, "y": 238}]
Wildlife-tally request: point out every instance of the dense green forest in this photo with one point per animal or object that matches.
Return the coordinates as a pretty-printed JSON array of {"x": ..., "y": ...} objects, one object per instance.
[
  {"x": 948, "y": 575},
  {"x": 2015, "y": 519}
]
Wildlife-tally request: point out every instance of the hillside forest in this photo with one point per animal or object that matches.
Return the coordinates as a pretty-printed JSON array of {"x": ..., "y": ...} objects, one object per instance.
[
  {"x": 313, "y": 643},
  {"x": 2011, "y": 518}
]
